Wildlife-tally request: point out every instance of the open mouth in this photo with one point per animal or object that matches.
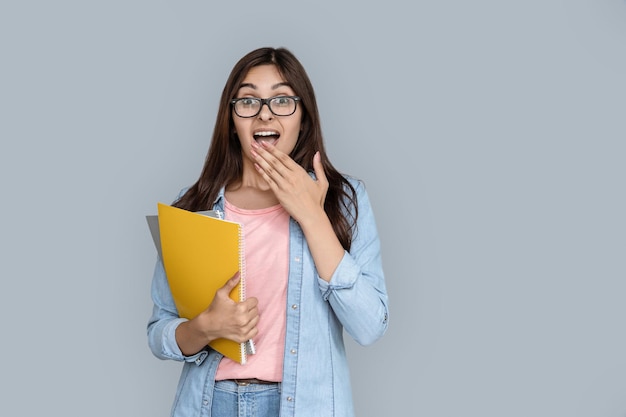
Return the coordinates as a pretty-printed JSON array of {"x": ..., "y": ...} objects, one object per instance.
[{"x": 269, "y": 136}]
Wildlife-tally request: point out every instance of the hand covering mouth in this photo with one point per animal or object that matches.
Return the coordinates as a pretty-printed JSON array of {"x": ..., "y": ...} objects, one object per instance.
[{"x": 270, "y": 136}]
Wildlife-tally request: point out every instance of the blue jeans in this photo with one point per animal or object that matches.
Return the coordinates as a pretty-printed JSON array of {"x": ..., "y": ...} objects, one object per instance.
[{"x": 254, "y": 400}]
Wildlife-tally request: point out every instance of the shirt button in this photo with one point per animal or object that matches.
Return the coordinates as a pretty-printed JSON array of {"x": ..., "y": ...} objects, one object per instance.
[
  {"x": 289, "y": 399},
  {"x": 297, "y": 259},
  {"x": 205, "y": 402},
  {"x": 294, "y": 306},
  {"x": 293, "y": 351}
]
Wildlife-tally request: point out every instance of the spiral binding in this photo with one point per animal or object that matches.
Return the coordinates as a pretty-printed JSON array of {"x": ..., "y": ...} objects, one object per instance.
[
  {"x": 248, "y": 347},
  {"x": 242, "y": 264}
]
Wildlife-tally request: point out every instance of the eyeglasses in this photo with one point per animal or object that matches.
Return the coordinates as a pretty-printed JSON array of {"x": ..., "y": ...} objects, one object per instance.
[{"x": 251, "y": 106}]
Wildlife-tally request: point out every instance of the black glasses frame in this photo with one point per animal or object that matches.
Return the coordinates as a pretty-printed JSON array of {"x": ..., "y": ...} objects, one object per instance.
[{"x": 263, "y": 102}]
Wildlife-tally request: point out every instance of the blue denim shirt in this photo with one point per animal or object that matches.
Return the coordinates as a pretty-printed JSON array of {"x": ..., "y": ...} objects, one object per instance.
[{"x": 316, "y": 380}]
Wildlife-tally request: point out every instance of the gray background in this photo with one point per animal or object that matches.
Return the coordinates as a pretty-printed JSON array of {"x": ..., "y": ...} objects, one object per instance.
[{"x": 490, "y": 135}]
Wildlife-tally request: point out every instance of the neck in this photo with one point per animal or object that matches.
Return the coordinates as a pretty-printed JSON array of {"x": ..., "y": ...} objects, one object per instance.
[
  {"x": 251, "y": 191},
  {"x": 251, "y": 178}
]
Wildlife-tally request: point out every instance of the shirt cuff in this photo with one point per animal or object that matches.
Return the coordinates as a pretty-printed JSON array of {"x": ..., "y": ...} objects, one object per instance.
[
  {"x": 171, "y": 347},
  {"x": 344, "y": 277}
]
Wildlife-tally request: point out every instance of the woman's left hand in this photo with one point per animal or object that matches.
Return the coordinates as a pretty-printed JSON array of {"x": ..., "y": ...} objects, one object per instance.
[{"x": 299, "y": 194}]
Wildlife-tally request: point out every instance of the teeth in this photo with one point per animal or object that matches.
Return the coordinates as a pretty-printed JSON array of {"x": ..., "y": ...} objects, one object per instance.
[{"x": 265, "y": 134}]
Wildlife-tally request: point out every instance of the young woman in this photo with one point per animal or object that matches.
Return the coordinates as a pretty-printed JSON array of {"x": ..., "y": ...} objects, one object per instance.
[{"x": 312, "y": 258}]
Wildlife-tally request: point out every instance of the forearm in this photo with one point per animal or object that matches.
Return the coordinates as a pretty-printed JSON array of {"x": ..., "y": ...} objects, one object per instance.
[
  {"x": 357, "y": 291},
  {"x": 323, "y": 243}
]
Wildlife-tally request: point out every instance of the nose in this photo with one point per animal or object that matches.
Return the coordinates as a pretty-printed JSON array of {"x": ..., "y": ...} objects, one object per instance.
[{"x": 265, "y": 113}]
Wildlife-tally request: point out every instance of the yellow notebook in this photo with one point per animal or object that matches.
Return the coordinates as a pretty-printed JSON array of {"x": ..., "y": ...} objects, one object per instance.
[{"x": 200, "y": 253}]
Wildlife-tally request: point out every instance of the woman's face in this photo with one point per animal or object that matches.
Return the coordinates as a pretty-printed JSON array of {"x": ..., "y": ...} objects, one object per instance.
[{"x": 264, "y": 81}]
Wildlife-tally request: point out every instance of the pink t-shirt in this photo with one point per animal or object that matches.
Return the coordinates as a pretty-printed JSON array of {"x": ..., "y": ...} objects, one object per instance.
[{"x": 266, "y": 236}]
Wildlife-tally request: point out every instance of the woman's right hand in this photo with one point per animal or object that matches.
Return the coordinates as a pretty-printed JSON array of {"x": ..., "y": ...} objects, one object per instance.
[{"x": 224, "y": 318}]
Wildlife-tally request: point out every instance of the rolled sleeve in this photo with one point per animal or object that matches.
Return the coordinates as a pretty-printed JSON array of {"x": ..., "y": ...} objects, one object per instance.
[
  {"x": 171, "y": 348},
  {"x": 164, "y": 322},
  {"x": 344, "y": 277}
]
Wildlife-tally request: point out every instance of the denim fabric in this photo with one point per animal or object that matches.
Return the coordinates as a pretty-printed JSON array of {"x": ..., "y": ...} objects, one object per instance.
[
  {"x": 232, "y": 400},
  {"x": 316, "y": 380}
]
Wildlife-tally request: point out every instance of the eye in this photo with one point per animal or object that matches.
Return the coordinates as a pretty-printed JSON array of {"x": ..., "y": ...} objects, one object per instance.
[
  {"x": 282, "y": 101},
  {"x": 248, "y": 102}
]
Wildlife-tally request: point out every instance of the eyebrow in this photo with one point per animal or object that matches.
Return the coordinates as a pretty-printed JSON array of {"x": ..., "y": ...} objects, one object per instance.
[{"x": 274, "y": 87}]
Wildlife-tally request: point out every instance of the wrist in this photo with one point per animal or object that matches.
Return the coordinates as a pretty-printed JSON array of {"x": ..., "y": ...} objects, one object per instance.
[
  {"x": 192, "y": 336},
  {"x": 314, "y": 219}
]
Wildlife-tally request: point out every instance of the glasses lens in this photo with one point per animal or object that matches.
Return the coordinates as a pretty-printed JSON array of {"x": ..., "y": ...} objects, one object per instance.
[
  {"x": 247, "y": 107},
  {"x": 283, "y": 106}
]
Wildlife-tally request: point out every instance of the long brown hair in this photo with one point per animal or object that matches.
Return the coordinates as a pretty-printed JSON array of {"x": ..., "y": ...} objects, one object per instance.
[{"x": 224, "y": 163}]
